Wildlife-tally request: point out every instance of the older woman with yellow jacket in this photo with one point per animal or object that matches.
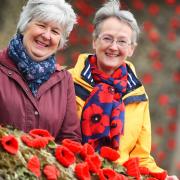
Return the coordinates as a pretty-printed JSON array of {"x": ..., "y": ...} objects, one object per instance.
[{"x": 111, "y": 100}]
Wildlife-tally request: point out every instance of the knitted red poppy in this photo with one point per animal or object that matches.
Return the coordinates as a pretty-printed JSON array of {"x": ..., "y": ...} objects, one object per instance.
[
  {"x": 94, "y": 163},
  {"x": 107, "y": 173},
  {"x": 10, "y": 144},
  {"x": 121, "y": 177},
  {"x": 132, "y": 166},
  {"x": 34, "y": 166},
  {"x": 159, "y": 175},
  {"x": 51, "y": 172},
  {"x": 86, "y": 150},
  {"x": 73, "y": 146},
  {"x": 64, "y": 156},
  {"x": 144, "y": 170},
  {"x": 82, "y": 171},
  {"x": 41, "y": 133},
  {"x": 109, "y": 153},
  {"x": 38, "y": 142}
]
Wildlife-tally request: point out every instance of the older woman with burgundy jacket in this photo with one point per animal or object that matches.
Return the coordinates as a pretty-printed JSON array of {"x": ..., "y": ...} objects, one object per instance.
[{"x": 34, "y": 91}]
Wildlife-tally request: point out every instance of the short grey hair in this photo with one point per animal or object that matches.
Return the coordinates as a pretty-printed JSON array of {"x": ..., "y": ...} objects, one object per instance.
[
  {"x": 57, "y": 11},
  {"x": 112, "y": 9}
]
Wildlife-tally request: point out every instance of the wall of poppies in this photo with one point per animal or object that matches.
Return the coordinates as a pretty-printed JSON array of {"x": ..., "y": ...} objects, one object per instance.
[{"x": 157, "y": 62}]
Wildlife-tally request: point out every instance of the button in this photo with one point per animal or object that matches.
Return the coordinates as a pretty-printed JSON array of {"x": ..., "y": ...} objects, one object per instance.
[
  {"x": 10, "y": 73},
  {"x": 36, "y": 113},
  {"x": 111, "y": 89}
]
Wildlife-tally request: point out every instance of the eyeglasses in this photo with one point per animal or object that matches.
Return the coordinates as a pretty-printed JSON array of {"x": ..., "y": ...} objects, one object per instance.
[{"x": 109, "y": 40}]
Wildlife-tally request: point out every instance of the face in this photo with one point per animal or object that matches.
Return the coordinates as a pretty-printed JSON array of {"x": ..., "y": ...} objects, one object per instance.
[
  {"x": 41, "y": 39},
  {"x": 111, "y": 55}
]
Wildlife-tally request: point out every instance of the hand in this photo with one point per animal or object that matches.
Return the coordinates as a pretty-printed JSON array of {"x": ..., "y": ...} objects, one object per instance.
[{"x": 171, "y": 177}]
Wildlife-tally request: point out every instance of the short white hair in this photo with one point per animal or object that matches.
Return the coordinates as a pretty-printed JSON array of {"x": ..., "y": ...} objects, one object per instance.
[
  {"x": 57, "y": 11},
  {"x": 112, "y": 9}
]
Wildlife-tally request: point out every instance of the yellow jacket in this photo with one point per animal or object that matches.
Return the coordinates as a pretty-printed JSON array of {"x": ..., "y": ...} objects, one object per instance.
[{"x": 136, "y": 141}]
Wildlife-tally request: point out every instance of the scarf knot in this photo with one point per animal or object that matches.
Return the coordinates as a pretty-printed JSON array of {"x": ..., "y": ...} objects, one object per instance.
[
  {"x": 34, "y": 72},
  {"x": 102, "y": 119}
]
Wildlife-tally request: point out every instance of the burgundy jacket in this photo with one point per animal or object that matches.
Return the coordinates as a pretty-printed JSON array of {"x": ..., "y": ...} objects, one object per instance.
[{"x": 54, "y": 108}]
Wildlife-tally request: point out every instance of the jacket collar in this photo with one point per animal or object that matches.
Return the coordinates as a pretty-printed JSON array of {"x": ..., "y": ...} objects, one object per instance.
[
  {"x": 133, "y": 81},
  {"x": 5, "y": 60}
]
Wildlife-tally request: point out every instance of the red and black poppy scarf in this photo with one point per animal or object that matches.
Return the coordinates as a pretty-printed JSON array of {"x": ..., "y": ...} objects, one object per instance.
[{"x": 102, "y": 119}]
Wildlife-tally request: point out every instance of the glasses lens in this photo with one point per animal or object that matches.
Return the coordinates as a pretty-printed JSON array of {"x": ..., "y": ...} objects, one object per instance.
[{"x": 108, "y": 40}]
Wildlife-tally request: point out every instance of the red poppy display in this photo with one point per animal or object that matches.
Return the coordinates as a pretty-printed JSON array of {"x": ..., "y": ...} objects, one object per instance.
[
  {"x": 138, "y": 5},
  {"x": 82, "y": 171},
  {"x": 172, "y": 126},
  {"x": 144, "y": 170},
  {"x": 176, "y": 77},
  {"x": 170, "y": 2},
  {"x": 107, "y": 174},
  {"x": 153, "y": 9},
  {"x": 171, "y": 144},
  {"x": 178, "y": 54},
  {"x": 161, "y": 155},
  {"x": 41, "y": 133},
  {"x": 171, "y": 36},
  {"x": 85, "y": 166},
  {"x": 177, "y": 10},
  {"x": 87, "y": 150},
  {"x": 159, "y": 130},
  {"x": 171, "y": 112},
  {"x": 121, "y": 177},
  {"x": 51, "y": 172},
  {"x": 174, "y": 23},
  {"x": 163, "y": 99},
  {"x": 109, "y": 153},
  {"x": 132, "y": 166},
  {"x": 34, "y": 166},
  {"x": 154, "y": 54},
  {"x": 148, "y": 26},
  {"x": 38, "y": 142},
  {"x": 10, "y": 144},
  {"x": 157, "y": 65},
  {"x": 64, "y": 156},
  {"x": 154, "y": 36},
  {"x": 84, "y": 8},
  {"x": 147, "y": 78},
  {"x": 160, "y": 175},
  {"x": 73, "y": 146},
  {"x": 94, "y": 163}
]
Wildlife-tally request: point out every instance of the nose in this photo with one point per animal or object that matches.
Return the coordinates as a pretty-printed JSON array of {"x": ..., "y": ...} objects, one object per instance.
[
  {"x": 114, "y": 45},
  {"x": 46, "y": 34}
]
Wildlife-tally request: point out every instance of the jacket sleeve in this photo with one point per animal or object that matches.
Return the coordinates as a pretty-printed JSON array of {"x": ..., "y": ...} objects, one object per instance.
[
  {"x": 142, "y": 148},
  {"x": 71, "y": 124}
]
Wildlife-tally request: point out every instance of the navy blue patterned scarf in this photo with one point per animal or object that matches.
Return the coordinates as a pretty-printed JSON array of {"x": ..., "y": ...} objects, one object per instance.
[{"x": 35, "y": 73}]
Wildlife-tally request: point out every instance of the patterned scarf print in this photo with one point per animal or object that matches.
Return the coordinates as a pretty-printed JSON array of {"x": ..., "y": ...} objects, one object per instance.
[
  {"x": 102, "y": 120},
  {"x": 35, "y": 73}
]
